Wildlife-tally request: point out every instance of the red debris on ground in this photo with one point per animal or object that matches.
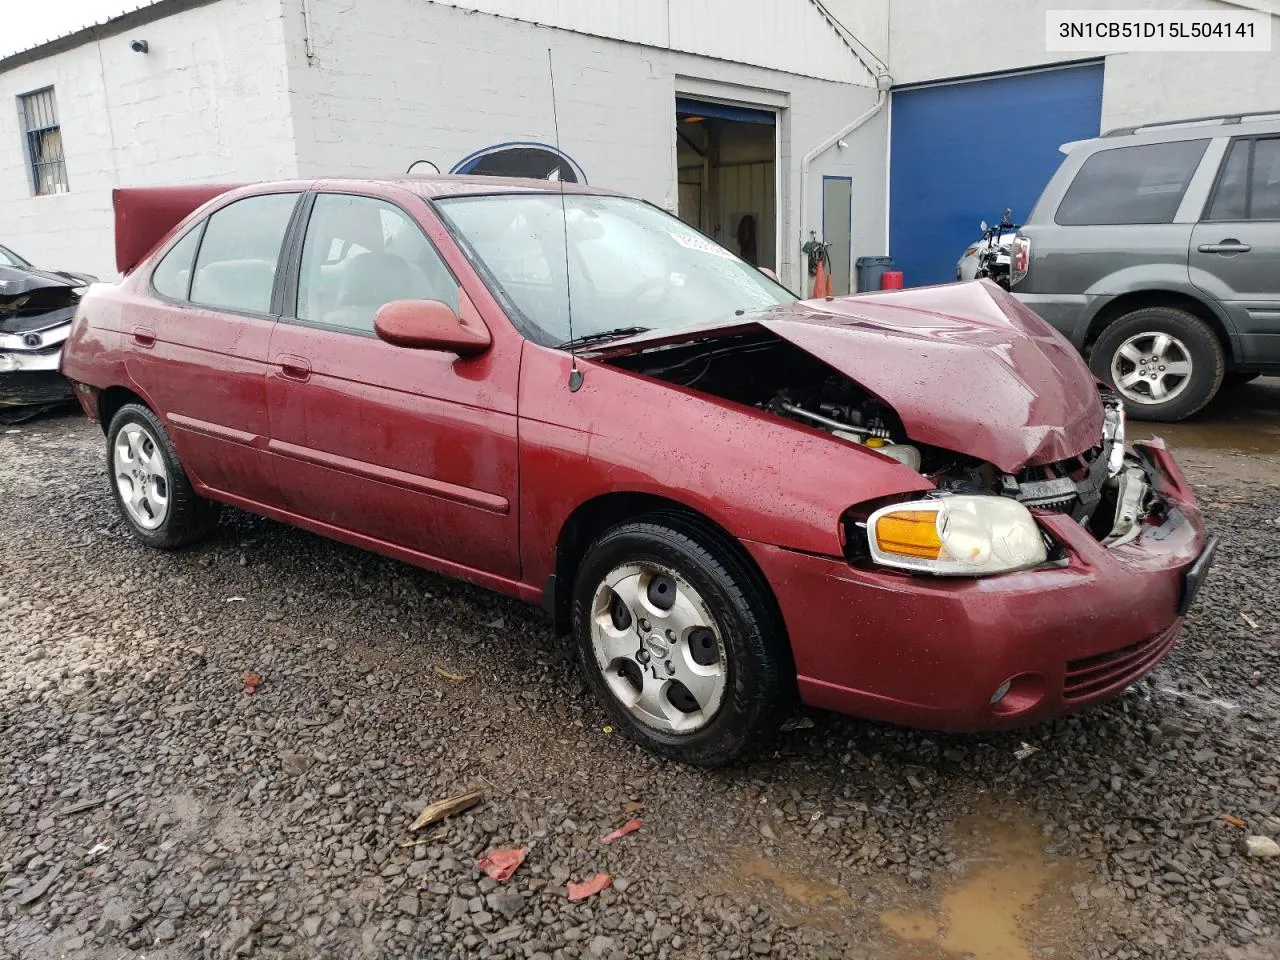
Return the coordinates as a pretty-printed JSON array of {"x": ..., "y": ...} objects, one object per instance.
[
  {"x": 501, "y": 864},
  {"x": 589, "y": 888},
  {"x": 251, "y": 683},
  {"x": 631, "y": 826}
]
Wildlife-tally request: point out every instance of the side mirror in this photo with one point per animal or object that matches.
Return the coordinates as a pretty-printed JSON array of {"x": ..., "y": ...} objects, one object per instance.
[
  {"x": 429, "y": 325},
  {"x": 982, "y": 225},
  {"x": 769, "y": 273}
]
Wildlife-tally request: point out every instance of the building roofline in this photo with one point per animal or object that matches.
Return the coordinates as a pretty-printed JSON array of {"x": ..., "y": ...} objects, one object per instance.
[{"x": 157, "y": 10}]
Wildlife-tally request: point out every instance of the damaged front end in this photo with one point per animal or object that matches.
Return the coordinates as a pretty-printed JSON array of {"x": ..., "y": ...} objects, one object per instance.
[
  {"x": 36, "y": 309},
  {"x": 1103, "y": 487}
]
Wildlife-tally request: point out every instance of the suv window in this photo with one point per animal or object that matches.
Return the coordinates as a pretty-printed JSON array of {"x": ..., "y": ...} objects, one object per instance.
[
  {"x": 1140, "y": 184},
  {"x": 1230, "y": 198},
  {"x": 172, "y": 276},
  {"x": 1248, "y": 185},
  {"x": 236, "y": 266},
  {"x": 1264, "y": 186},
  {"x": 362, "y": 252}
]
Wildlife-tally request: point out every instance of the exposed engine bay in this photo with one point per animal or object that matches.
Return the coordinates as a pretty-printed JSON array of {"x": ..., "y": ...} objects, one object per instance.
[{"x": 1103, "y": 488}]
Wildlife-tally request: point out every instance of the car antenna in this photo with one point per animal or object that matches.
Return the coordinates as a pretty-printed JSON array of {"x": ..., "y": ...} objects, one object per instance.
[{"x": 575, "y": 375}]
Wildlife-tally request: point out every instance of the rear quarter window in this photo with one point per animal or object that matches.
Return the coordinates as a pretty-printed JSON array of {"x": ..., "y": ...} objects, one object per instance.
[
  {"x": 172, "y": 277},
  {"x": 1140, "y": 184}
]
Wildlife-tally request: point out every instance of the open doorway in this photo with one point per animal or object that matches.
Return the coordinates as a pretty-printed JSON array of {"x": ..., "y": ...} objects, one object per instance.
[{"x": 726, "y": 156}]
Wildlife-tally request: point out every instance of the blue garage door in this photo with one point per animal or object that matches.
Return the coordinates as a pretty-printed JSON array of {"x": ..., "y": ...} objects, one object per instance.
[{"x": 962, "y": 152}]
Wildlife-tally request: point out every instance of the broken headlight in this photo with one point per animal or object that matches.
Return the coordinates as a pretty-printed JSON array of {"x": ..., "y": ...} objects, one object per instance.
[{"x": 965, "y": 536}]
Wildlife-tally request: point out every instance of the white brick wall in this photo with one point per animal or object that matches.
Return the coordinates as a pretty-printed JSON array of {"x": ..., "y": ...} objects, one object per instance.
[
  {"x": 208, "y": 102},
  {"x": 407, "y": 79}
]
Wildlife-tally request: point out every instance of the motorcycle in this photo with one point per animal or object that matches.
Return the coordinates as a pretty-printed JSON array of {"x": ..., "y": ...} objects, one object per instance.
[{"x": 989, "y": 257}]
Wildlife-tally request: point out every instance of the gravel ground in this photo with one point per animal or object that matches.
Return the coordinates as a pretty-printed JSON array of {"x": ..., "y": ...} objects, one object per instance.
[{"x": 153, "y": 808}]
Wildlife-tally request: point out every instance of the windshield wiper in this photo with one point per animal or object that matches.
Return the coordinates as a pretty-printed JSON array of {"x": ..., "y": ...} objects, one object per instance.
[{"x": 602, "y": 335}]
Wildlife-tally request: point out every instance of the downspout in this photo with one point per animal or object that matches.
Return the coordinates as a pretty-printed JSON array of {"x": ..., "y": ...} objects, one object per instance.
[
  {"x": 307, "y": 48},
  {"x": 883, "y": 82}
]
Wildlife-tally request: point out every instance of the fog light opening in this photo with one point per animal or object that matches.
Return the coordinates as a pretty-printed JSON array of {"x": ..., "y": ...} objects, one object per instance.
[{"x": 1018, "y": 694}]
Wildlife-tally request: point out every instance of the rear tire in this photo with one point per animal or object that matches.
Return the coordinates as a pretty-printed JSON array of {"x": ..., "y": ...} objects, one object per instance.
[
  {"x": 151, "y": 489},
  {"x": 1165, "y": 363},
  {"x": 719, "y": 631}
]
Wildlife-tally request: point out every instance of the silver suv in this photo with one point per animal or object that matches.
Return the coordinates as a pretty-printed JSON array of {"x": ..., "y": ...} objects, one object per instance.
[{"x": 1156, "y": 251}]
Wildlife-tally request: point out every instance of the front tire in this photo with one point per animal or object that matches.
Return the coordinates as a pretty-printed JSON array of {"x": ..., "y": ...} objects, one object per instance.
[
  {"x": 1165, "y": 364},
  {"x": 150, "y": 487},
  {"x": 680, "y": 640}
]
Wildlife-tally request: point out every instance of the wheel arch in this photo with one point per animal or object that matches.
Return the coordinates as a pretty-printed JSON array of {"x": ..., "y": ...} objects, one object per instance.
[
  {"x": 112, "y": 399},
  {"x": 593, "y": 517},
  {"x": 1126, "y": 303}
]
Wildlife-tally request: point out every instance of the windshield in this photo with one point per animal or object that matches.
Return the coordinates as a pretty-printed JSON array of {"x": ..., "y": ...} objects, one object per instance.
[
  {"x": 630, "y": 265},
  {"x": 11, "y": 259}
]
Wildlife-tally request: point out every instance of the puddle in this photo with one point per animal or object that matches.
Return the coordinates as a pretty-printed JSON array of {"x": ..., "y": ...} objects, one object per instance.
[
  {"x": 1236, "y": 439},
  {"x": 1246, "y": 420},
  {"x": 1254, "y": 438},
  {"x": 799, "y": 889},
  {"x": 1008, "y": 899}
]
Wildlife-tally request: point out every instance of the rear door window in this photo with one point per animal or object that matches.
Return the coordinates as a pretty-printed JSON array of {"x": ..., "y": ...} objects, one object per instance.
[
  {"x": 1248, "y": 186},
  {"x": 236, "y": 266},
  {"x": 1231, "y": 194},
  {"x": 1264, "y": 185},
  {"x": 1141, "y": 184}
]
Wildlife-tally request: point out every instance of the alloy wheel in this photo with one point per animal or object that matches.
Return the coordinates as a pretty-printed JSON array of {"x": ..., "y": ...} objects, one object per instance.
[
  {"x": 141, "y": 476},
  {"x": 659, "y": 647},
  {"x": 1150, "y": 368}
]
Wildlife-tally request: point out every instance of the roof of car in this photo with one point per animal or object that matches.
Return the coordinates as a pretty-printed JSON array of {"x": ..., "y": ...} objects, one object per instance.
[{"x": 457, "y": 185}]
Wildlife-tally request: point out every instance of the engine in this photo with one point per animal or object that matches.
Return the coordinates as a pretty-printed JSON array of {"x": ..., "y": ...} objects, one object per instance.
[
  {"x": 1101, "y": 489},
  {"x": 837, "y": 407}
]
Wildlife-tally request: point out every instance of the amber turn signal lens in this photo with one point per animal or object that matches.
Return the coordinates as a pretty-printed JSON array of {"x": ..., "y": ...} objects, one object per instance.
[{"x": 909, "y": 533}]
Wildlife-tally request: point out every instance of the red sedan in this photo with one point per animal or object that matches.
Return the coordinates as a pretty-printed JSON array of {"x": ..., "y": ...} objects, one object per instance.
[{"x": 916, "y": 507}]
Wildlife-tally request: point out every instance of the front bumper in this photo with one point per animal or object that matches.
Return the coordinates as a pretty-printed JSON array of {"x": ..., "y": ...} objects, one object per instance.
[
  {"x": 30, "y": 361},
  {"x": 33, "y": 350},
  {"x": 930, "y": 652},
  {"x": 29, "y": 365}
]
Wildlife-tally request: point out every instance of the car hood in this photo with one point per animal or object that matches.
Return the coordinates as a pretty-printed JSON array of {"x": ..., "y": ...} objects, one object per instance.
[
  {"x": 965, "y": 366},
  {"x": 32, "y": 299},
  {"x": 15, "y": 281}
]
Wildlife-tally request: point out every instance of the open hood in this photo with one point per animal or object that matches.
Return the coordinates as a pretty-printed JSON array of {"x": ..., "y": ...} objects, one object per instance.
[
  {"x": 965, "y": 366},
  {"x": 32, "y": 299}
]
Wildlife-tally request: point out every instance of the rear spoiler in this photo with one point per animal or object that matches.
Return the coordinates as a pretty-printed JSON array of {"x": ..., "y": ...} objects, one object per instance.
[{"x": 145, "y": 215}]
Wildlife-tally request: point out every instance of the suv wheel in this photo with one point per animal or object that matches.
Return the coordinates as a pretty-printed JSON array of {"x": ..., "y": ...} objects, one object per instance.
[
  {"x": 679, "y": 641},
  {"x": 1165, "y": 363}
]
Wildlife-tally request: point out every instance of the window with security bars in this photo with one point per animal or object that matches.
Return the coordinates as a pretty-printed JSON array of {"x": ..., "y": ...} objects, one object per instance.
[{"x": 39, "y": 115}]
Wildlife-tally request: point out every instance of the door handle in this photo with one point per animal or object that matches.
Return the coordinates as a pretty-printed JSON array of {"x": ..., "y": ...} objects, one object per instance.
[
  {"x": 1230, "y": 245},
  {"x": 144, "y": 336},
  {"x": 294, "y": 368}
]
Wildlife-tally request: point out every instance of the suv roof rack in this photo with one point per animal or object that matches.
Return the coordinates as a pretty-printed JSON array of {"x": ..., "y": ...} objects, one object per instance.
[{"x": 1223, "y": 118}]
